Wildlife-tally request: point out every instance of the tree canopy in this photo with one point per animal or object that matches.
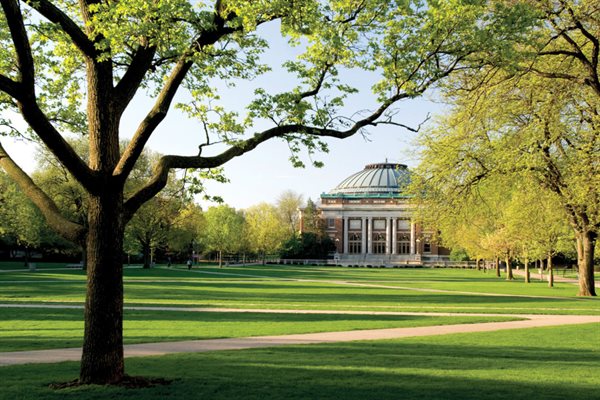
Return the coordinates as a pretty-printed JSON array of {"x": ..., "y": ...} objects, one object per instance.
[{"x": 531, "y": 116}]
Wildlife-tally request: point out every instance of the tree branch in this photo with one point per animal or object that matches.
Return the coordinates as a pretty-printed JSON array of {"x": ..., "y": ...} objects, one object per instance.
[
  {"x": 18, "y": 33},
  {"x": 152, "y": 119},
  {"x": 556, "y": 75},
  {"x": 65, "y": 227},
  {"x": 166, "y": 163},
  {"x": 54, "y": 14},
  {"x": 9, "y": 86},
  {"x": 141, "y": 62},
  {"x": 39, "y": 122},
  {"x": 25, "y": 96},
  {"x": 314, "y": 91},
  {"x": 573, "y": 54},
  {"x": 163, "y": 102}
]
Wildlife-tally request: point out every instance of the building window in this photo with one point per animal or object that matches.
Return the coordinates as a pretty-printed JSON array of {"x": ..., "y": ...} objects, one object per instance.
[
  {"x": 354, "y": 243},
  {"x": 330, "y": 223},
  {"x": 379, "y": 242},
  {"x": 426, "y": 247},
  {"x": 403, "y": 225},
  {"x": 355, "y": 224},
  {"x": 403, "y": 243},
  {"x": 379, "y": 224}
]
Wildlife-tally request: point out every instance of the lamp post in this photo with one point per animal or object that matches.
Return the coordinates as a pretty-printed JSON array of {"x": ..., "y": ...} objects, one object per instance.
[{"x": 418, "y": 249}]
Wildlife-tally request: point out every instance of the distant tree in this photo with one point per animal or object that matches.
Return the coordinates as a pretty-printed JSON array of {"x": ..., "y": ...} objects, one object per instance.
[
  {"x": 307, "y": 245},
  {"x": 224, "y": 230},
  {"x": 186, "y": 230},
  {"x": 537, "y": 106},
  {"x": 22, "y": 226},
  {"x": 265, "y": 229},
  {"x": 311, "y": 218},
  {"x": 288, "y": 205},
  {"x": 525, "y": 128},
  {"x": 152, "y": 225}
]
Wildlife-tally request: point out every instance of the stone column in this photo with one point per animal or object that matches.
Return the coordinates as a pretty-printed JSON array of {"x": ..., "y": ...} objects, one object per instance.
[
  {"x": 388, "y": 235},
  {"x": 370, "y": 236},
  {"x": 394, "y": 234},
  {"x": 345, "y": 235},
  {"x": 412, "y": 239},
  {"x": 363, "y": 235}
]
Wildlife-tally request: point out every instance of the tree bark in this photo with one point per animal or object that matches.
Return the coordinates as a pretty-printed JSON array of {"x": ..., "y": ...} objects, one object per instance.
[
  {"x": 146, "y": 250},
  {"x": 102, "y": 360},
  {"x": 585, "y": 262},
  {"x": 527, "y": 275},
  {"x": 509, "y": 273},
  {"x": 497, "y": 266}
]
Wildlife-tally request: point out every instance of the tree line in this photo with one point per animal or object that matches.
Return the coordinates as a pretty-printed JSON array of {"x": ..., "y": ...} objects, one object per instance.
[
  {"x": 171, "y": 228},
  {"x": 512, "y": 169}
]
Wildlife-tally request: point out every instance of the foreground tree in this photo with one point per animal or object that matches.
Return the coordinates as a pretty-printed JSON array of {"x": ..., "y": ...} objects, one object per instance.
[{"x": 57, "y": 55}]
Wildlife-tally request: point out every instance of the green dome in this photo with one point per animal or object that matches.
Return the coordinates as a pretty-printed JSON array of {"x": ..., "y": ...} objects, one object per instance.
[{"x": 375, "y": 179}]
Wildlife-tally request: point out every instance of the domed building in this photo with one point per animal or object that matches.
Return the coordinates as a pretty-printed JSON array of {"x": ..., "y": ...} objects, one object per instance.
[{"x": 369, "y": 217}]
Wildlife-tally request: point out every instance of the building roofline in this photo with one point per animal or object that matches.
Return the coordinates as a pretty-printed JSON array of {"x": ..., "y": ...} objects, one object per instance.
[{"x": 365, "y": 196}]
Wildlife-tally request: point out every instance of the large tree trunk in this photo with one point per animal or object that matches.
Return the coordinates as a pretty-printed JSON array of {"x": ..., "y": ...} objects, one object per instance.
[
  {"x": 585, "y": 262},
  {"x": 102, "y": 361},
  {"x": 527, "y": 274}
]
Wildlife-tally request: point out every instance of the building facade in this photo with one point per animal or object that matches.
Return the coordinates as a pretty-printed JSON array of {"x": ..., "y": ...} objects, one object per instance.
[{"x": 369, "y": 218}]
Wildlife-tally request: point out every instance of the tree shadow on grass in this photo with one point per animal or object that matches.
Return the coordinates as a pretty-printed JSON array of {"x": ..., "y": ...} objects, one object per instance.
[
  {"x": 391, "y": 371},
  {"x": 454, "y": 367}
]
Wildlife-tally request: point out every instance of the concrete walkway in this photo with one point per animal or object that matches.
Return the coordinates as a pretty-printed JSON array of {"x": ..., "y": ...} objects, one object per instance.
[{"x": 196, "y": 346}]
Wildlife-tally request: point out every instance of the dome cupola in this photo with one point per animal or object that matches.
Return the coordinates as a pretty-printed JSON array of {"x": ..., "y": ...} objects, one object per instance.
[{"x": 383, "y": 179}]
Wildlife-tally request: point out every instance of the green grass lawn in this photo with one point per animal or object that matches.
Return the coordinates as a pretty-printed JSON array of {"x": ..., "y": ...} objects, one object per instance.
[
  {"x": 331, "y": 288},
  {"x": 20, "y": 265},
  {"x": 543, "y": 363},
  {"x": 33, "y": 329}
]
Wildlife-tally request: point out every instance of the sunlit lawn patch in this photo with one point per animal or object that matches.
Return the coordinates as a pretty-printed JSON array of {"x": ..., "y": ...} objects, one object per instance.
[{"x": 542, "y": 363}]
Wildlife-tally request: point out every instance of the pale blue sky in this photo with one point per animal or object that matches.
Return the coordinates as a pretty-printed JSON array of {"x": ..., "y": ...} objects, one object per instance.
[{"x": 263, "y": 174}]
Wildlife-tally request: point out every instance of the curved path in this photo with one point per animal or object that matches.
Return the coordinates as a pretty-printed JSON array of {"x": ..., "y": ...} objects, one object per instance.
[{"x": 195, "y": 346}]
